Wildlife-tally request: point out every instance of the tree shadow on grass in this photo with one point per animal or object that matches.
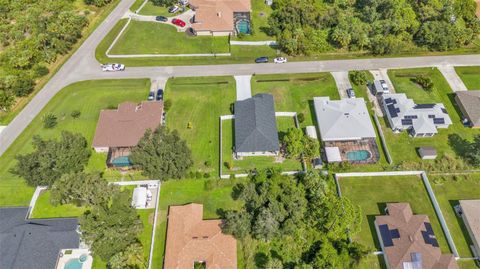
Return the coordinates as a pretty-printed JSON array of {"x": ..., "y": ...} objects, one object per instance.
[
  {"x": 451, "y": 98},
  {"x": 459, "y": 145}
]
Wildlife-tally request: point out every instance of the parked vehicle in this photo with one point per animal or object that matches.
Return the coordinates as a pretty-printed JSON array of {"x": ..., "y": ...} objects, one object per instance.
[
  {"x": 112, "y": 67},
  {"x": 160, "y": 94},
  {"x": 173, "y": 9},
  {"x": 350, "y": 93},
  {"x": 280, "y": 60},
  {"x": 179, "y": 22},
  {"x": 161, "y": 18},
  {"x": 151, "y": 96},
  {"x": 384, "y": 86},
  {"x": 261, "y": 60}
]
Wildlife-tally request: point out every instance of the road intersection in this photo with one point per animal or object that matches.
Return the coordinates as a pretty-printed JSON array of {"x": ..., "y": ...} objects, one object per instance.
[{"x": 83, "y": 65}]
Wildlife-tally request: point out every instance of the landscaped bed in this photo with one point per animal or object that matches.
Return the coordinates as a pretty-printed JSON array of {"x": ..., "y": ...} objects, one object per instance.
[
  {"x": 247, "y": 164},
  {"x": 89, "y": 98},
  {"x": 160, "y": 38},
  {"x": 470, "y": 75},
  {"x": 197, "y": 104},
  {"x": 442, "y": 93}
]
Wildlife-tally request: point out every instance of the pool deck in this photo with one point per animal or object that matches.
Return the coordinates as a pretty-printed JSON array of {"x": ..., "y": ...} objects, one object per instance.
[
  {"x": 366, "y": 144},
  {"x": 76, "y": 253}
]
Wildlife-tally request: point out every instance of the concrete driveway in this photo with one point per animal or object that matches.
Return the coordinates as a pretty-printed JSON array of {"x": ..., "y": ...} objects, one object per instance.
[
  {"x": 452, "y": 78},
  {"x": 381, "y": 74},
  {"x": 343, "y": 83},
  {"x": 185, "y": 16},
  {"x": 243, "y": 87}
]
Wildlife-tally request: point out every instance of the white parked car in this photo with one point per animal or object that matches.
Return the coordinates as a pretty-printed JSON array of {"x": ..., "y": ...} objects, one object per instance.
[
  {"x": 280, "y": 60},
  {"x": 113, "y": 67},
  {"x": 173, "y": 9}
]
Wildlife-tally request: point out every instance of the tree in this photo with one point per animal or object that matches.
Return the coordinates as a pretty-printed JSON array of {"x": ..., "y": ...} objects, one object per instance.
[
  {"x": 167, "y": 105},
  {"x": 163, "y": 3},
  {"x": 162, "y": 154},
  {"x": 49, "y": 120},
  {"x": 51, "y": 159},
  {"x": 97, "y": 3},
  {"x": 131, "y": 258},
  {"x": 293, "y": 141},
  {"x": 358, "y": 77},
  {"x": 81, "y": 189},
  {"x": 311, "y": 148},
  {"x": 112, "y": 228},
  {"x": 6, "y": 100},
  {"x": 425, "y": 82},
  {"x": 75, "y": 114}
]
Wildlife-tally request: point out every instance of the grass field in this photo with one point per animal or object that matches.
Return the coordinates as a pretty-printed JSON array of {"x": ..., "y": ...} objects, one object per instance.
[
  {"x": 160, "y": 38},
  {"x": 365, "y": 192},
  {"x": 200, "y": 101},
  {"x": 181, "y": 192},
  {"x": 254, "y": 162},
  {"x": 470, "y": 76},
  {"x": 448, "y": 194},
  {"x": 89, "y": 98},
  {"x": 151, "y": 10},
  {"x": 295, "y": 92},
  {"x": 441, "y": 94}
]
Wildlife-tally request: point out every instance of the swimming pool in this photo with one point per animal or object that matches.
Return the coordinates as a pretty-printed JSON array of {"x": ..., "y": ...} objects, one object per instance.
[
  {"x": 122, "y": 161},
  {"x": 73, "y": 264},
  {"x": 358, "y": 155},
  {"x": 243, "y": 26}
]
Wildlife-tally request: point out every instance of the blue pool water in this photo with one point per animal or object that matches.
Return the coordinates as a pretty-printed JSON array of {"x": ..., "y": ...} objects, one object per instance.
[
  {"x": 358, "y": 155},
  {"x": 243, "y": 27},
  {"x": 121, "y": 161},
  {"x": 73, "y": 264}
]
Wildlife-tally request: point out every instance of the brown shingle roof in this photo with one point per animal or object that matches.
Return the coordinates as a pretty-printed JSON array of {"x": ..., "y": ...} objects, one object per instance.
[
  {"x": 123, "y": 127},
  {"x": 411, "y": 240},
  {"x": 217, "y": 15},
  {"x": 191, "y": 239}
]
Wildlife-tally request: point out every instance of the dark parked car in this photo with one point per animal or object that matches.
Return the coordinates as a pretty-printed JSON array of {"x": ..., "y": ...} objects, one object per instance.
[
  {"x": 350, "y": 93},
  {"x": 159, "y": 94},
  {"x": 151, "y": 96},
  {"x": 161, "y": 18},
  {"x": 261, "y": 60}
]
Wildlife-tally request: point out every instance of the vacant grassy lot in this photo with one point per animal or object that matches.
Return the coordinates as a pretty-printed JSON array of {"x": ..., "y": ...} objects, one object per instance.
[
  {"x": 441, "y": 94},
  {"x": 213, "y": 196},
  {"x": 160, "y": 38},
  {"x": 149, "y": 9},
  {"x": 295, "y": 92},
  {"x": 448, "y": 194},
  {"x": 372, "y": 194},
  {"x": 199, "y": 102},
  {"x": 257, "y": 162},
  {"x": 89, "y": 98},
  {"x": 470, "y": 76}
]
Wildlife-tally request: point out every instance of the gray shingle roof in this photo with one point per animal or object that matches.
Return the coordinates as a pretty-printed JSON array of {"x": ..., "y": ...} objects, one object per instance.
[
  {"x": 33, "y": 243},
  {"x": 255, "y": 125},
  {"x": 470, "y": 101}
]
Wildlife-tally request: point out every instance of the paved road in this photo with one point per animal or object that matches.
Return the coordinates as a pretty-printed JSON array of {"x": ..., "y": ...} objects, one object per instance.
[{"x": 83, "y": 66}]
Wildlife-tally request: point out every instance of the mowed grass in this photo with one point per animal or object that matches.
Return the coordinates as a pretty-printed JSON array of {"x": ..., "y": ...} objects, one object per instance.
[
  {"x": 160, "y": 38},
  {"x": 372, "y": 194},
  {"x": 88, "y": 97},
  {"x": 448, "y": 193},
  {"x": 295, "y": 92},
  {"x": 442, "y": 93},
  {"x": 254, "y": 162},
  {"x": 44, "y": 209},
  {"x": 149, "y": 9},
  {"x": 200, "y": 102},
  {"x": 470, "y": 75},
  {"x": 182, "y": 192}
]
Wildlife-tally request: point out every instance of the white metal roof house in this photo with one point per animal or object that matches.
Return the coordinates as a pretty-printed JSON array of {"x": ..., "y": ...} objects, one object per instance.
[
  {"x": 346, "y": 130},
  {"x": 421, "y": 120},
  {"x": 139, "y": 198}
]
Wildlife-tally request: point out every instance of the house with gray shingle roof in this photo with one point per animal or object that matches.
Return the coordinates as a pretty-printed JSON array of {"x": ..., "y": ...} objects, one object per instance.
[
  {"x": 256, "y": 131},
  {"x": 469, "y": 104},
  {"x": 34, "y": 243}
]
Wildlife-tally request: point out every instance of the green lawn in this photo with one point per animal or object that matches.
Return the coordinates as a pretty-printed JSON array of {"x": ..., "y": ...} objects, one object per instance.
[
  {"x": 160, "y": 38},
  {"x": 259, "y": 22},
  {"x": 43, "y": 208},
  {"x": 372, "y": 194},
  {"x": 200, "y": 101},
  {"x": 181, "y": 192},
  {"x": 151, "y": 10},
  {"x": 448, "y": 194},
  {"x": 258, "y": 162},
  {"x": 89, "y": 97},
  {"x": 295, "y": 92},
  {"x": 442, "y": 93},
  {"x": 470, "y": 76}
]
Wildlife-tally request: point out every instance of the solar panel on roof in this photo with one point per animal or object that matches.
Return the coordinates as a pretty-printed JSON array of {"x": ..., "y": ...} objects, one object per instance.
[
  {"x": 429, "y": 236},
  {"x": 386, "y": 236},
  {"x": 444, "y": 110},
  {"x": 439, "y": 121},
  {"x": 431, "y": 116},
  {"x": 388, "y": 100},
  {"x": 428, "y": 227},
  {"x": 411, "y": 117},
  {"x": 393, "y": 112},
  {"x": 407, "y": 122},
  {"x": 394, "y": 233},
  {"x": 423, "y": 106}
]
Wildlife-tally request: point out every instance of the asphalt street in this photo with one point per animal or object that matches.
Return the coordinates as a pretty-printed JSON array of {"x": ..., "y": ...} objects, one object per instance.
[{"x": 83, "y": 66}]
